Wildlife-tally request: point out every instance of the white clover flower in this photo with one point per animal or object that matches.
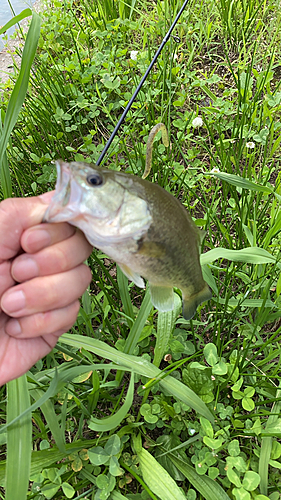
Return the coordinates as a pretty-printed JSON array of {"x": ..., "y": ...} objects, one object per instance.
[
  {"x": 215, "y": 170},
  {"x": 197, "y": 122},
  {"x": 134, "y": 54},
  {"x": 250, "y": 145}
]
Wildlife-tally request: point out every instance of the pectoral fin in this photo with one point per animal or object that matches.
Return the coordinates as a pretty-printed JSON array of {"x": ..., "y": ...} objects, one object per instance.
[
  {"x": 162, "y": 297},
  {"x": 190, "y": 303},
  {"x": 131, "y": 275}
]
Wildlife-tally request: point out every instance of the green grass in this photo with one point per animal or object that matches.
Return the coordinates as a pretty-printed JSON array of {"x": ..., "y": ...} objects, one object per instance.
[{"x": 206, "y": 402}]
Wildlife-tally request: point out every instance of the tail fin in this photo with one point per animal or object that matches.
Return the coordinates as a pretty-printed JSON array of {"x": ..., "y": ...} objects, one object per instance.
[{"x": 190, "y": 304}]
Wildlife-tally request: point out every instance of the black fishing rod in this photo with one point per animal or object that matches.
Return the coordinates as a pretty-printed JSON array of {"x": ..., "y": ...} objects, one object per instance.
[{"x": 126, "y": 110}]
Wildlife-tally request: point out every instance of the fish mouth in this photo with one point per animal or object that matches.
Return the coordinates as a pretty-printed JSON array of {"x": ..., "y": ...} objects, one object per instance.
[
  {"x": 63, "y": 184},
  {"x": 65, "y": 193}
]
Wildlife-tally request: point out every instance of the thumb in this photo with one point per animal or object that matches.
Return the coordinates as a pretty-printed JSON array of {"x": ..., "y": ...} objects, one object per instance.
[{"x": 17, "y": 215}]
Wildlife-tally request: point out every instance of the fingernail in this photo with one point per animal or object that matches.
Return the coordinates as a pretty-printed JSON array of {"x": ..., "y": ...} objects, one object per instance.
[
  {"x": 13, "y": 327},
  {"x": 38, "y": 239},
  {"x": 24, "y": 269},
  {"x": 13, "y": 302}
]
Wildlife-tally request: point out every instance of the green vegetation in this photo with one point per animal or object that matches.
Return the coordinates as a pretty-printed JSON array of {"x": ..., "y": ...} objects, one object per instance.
[{"x": 135, "y": 404}]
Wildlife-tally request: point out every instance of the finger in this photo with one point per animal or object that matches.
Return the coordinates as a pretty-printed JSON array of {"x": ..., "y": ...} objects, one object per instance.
[
  {"x": 44, "y": 323},
  {"x": 6, "y": 280},
  {"x": 37, "y": 237},
  {"x": 58, "y": 258},
  {"x": 23, "y": 353},
  {"x": 16, "y": 215},
  {"x": 46, "y": 293}
]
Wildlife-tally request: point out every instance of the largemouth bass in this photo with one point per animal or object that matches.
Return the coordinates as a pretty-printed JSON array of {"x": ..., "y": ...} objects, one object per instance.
[{"x": 138, "y": 224}]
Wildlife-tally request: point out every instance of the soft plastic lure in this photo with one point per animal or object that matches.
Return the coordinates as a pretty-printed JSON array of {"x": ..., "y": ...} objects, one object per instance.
[{"x": 149, "y": 146}]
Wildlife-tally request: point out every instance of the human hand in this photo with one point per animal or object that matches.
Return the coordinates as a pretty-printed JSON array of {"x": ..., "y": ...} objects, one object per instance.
[{"x": 50, "y": 277}]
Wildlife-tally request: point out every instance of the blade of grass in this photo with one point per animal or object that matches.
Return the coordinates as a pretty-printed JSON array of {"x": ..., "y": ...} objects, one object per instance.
[
  {"x": 19, "y": 440},
  {"x": 116, "y": 495},
  {"x": 124, "y": 293},
  {"x": 206, "y": 486},
  {"x": 52, "y": 390},
  {"x": 49, "y": 413},
  {"x": 138, "y": 479},
  {"x": 243, "y": 183},
  {"x": 45, "y": 458},
  {"x": 17, "y": 98},
  {"x": 59, "y": 378},
  {"x": 135, "y": 332},
  {"x": 250, "y": 255},
  {"x": 165, "y": 326},
  {"x": 266, "y": 446},
  {"x": 138, "y": 325},
  {"x": 142, "y": 367},
  {"x": 109, "y": 423},
  {"x": 5, "y": 178},
  {"x": 157, "y": 478},
  {"x": 24, "y": 13}
]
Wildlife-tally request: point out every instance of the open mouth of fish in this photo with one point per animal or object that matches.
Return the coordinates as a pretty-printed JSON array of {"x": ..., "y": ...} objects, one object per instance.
[{"x": 67, "y": 197}]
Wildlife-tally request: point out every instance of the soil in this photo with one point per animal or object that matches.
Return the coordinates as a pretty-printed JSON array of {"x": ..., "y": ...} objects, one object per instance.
[{"x": 7, "y": 55}]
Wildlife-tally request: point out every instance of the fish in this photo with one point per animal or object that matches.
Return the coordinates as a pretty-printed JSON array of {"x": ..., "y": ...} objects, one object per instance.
[{"x": 138, "y": 224}]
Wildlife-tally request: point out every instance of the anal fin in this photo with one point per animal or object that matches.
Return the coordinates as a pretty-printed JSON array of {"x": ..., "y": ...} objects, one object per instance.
[
  {"x": 131, "y": 275},
  {"x": 162, "y": 297}
]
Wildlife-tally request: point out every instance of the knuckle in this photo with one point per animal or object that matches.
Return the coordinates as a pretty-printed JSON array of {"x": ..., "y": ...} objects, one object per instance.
[
  {"x": 62, "y": 258},
  {"x": 49, "y": 322},
  {"x": 6, "y": 280},
  {"x": 76, "y": 308},
  {"x": 9, "y": 228},
  {"x": 72, "y": 315},
  {"x": 60, "y": 231},
  {"x": 87, "y": 273},
  {"x": 50, "y": 294},
  {"x": 41, "y": 321}
]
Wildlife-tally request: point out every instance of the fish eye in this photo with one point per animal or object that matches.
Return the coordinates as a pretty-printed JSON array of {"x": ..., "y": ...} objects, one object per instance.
[{"x": 95, "y": 179}]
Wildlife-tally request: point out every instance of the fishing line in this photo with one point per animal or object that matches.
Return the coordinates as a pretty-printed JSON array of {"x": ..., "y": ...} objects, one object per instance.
[{"x": 126, "y": 110}]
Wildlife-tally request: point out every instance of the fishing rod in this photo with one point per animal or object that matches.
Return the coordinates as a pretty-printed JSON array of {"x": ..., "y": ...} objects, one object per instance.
[{"x": 126, "y": 110}]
